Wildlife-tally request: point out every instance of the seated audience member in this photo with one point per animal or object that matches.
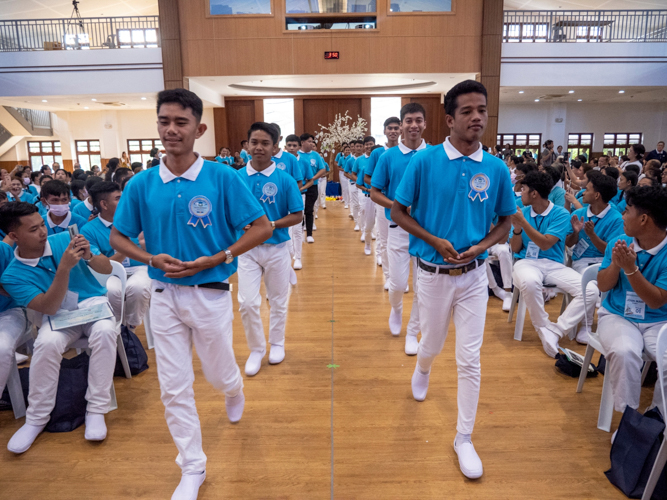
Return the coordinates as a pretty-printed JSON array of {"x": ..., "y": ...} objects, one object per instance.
[
  {"x": 110, "y": 169},
  {"x": 137, "y": 167},
  {"x": 46, "y": 170},
  {"x": 49, "y": 275},
  {"x": 612, "y": 172},
  {"x": 538, "y": 237},
  {"x": 27, "y": 186},
  {"x": 652, "y": 169},
  {"x": 16, "y": 192},
  {"x": 34, "y": 181},
  {"x": 576, "y": 200},
  {"x": 55, "y": 198},
  {"x": 634, "y": 157},
  {"x": 85, "y": 209},
  {"x": 522, "y": 169},
  {"x": 95, "y": 169},
  {"x": 648, "y": 181},
  {"x": 557, "y": 194},
  {"x": 512, "y": 163},
  {"x": 79, "y": 175},
  {"x": 43, "y": 180},
  {"x": 634, "y": 272},
  {"x": 78, "y": 189},
  {"x": 595, "y": 225},
  {"x": 120, "y": 174},
  {"x": 62, "y": 175},
  {"x": 225, "y": 156},
  {"x": 658, "y": 153}
]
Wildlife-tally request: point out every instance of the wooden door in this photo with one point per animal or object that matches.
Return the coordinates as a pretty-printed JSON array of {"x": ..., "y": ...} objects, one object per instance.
[{"x": 240, "y": 115}]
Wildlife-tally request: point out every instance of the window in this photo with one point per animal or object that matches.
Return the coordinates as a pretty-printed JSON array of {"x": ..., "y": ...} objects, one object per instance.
[
  {"x": 410, "y": 6},
  {"x": 137, "y": 38},
  {"x": 618, "y": 144},
  {"x": 521, "y": 142},
  {"x": 381, "y": 109},
  {"x": 589, "y": 33},
  {"x": 328, "y": 6},
  {"x": 140, "y": 149},
  {"x": 280, "y": 111},
  {"x": 77, "y": 41},
  {"x": 44, "y": 153},
  {"x": 239, "y": 7},
  {"x": 578, "y": 144},
  {"x": 88, "y": 154},
  {"x": 525, "y": 32}
]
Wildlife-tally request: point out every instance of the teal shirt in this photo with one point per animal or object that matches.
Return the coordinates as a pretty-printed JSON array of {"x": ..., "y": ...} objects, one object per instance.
[
  {"x": 227, "y": 160},
  {"x": 606, "y": 227},
  {"x": 98, "y": 234},
  {"x": 359, "y": 168},
  {"x": 6, "y": 257},
  {"x": 556, "y": 223},
  {"x": 373, "y": 160},
  {"x": 311, "y": 163},
  {"x": 82, "y": 211},
  {"x": 288, "y": 163},
  {"x": 74, "y": 219},
  {"x": 26, "y": 196},
  {"x": 245, "y": 155},
  {"x": 557, "y": 196},
  {"x": 349, "y": 163}
]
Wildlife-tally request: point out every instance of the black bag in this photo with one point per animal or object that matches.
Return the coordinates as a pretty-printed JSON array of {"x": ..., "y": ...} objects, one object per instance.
[
  {"x": 5, "y": 401},
  {"x": 634, "y": 451},
  {"x": 569, "y": 368},
  {"x": 136, "y": 354},
  {"x": 70, "y": 410}
]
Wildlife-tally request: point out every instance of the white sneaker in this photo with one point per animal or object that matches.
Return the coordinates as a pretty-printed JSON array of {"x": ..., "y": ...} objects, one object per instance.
[
  {"x": 276, "y": 354},
  {"x": 254, "y": 363},
  {"x": 411, "y": 345},
  {"x": 188, "y": 488},
  {"x": 314, "y": 227},
  {"x": 582, "y": 336},
  {"x": 346, "y": 207},
  {"x": 507, "y": 303},
  {"x": 419, "y": 384},
  {"x": 292, "y": 278},
  {"x": 356, "y": 227},
  {"x": 549, "y": 341},
  {"x": 310, "y": 239},
  {"x": 22, "y": 439},
  {"x": 379, "y": 261},
  {"x": 363, "y": 237},
  {"x": 367, "y": 248},
  {"x": 21, "y": 358},
  {"x": 234, "y": 407},
  {"x": 395, "y": 322},
  {"x": 407, "y": 288},
  {"x": 297, "y": 264},
  {"x": 316, "y": 216},
  {"x": 469, "y": 461},
  {"x": 96, "y": 428}
]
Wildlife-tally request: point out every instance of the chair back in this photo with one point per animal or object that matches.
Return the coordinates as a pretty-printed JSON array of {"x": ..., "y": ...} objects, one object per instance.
[
  {"x": 660, "y": 354},
  {"x": 590, "y": 274},
  {"x": 119, "y": 272}
]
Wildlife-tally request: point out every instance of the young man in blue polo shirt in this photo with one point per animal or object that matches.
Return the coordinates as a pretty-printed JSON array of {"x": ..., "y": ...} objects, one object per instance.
[
  {"x": 594, "y": 225},
  {"x": 386, "y": 178},
  {"x": 538, "y": 239},
  {"x": 49, "y": 275},
  {"x": 192, "y": 241},
  {"x": 634, "y": 273},
  {"x": 344, "y": 181},
  {"x": 56, "y": 199},
  {"x": 279, "y": 195},
  {"x": 245, "y": 156},
  {"x": 106, "y": 196},
  {"x": 356, "y": 148},
  {"x": 367, "y": 206},
  {"x": 292, "y": 146},
  {"x": 449, "y": 219},
  {"x": 313, "y": 167}
]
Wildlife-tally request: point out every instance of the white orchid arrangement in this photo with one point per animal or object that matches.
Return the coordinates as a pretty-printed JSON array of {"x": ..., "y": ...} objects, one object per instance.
[{"x": 331, "y": 137}]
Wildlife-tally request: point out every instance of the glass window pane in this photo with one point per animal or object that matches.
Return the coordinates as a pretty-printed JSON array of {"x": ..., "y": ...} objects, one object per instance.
[
  {"x": 414, "y": 6},
  {"x": 522, "y": 139},
  {"x": 135, "y": 158},
  {"x": 541, "y": 30},
  {"x": 514, "y": 30},
  {"x": 586, "y": 138},
  {"x": 134, "y": 145},
  {"x": 124, "y": 36},
  {"x": 81, "y": 146},
  {"x": 95, "y": 159},
  {"x": 499, "y": 139},
  {"x": 635, "y": 138},
  {"x": 229, "y": 7},
  {"x": 534, "y": 140},
  {"x": 146, "y": 145},
  {"x": 47, "y": 147},
  {"x": 609, "y": 139},
  {"x": 33, "y": 147},
  {"x": 57, "y": 146},
  {"x": 573, "y": 140},
  {"x": 94, "y": 145},
  {"x": 621, "y": 138},
  {"x": 84, "y": 161},
  {"x": 59, "y": 159},
  {"x": 158, "y": 143},
  {"x": 151, "y": 36},
  {"x": 528, "y": 30},
  {"x": 48, "y": 160},
  {"x": 508, "y": 139},
  {"x": 137, "y": 37},
  {"x": 281, "y": 111},
  {"x": 145, "y": 158},
  {"x": 381, "y": 109},
  {"x": 36, "y": 162}
]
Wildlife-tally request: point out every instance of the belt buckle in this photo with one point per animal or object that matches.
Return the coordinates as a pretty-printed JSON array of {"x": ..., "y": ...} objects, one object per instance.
[{"x": 456, "y": 272}]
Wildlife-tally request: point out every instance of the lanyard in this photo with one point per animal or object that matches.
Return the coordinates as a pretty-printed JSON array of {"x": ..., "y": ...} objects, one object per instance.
[
  {"x": 645, "y": 266},
  {"x": 539, "y": 224}
]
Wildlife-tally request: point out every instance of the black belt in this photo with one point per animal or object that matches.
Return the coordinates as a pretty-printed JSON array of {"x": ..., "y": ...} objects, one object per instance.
[
  {"x": 216, "y": 286},
  {"x": 455, "y": 271},
  {"x": 367, "y": 195},
  {"x": 393, "y": 225}
]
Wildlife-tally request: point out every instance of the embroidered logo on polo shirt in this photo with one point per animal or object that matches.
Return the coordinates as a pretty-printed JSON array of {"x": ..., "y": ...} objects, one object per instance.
[
  {"x": 269, "y": 192},
  {"x": 313, "y": 162},
  {"x": 200, "y": 207},
  {"x": 479, "y": 184},
  {"x": 281, "y": 166}
]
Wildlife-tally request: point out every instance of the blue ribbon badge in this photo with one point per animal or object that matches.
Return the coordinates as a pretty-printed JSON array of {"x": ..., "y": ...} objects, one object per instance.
[
  {"x": 200, "y": 208},
  {"x": 479, "y": 184},
  {"x": 269, "y": 192},
  {"x": 281, "y": 166}
]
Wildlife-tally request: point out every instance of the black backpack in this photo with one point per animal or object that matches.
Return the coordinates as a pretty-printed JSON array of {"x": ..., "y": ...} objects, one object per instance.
[{"x": 136, "y": 354}]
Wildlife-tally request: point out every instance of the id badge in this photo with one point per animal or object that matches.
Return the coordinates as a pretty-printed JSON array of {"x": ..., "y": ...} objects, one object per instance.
[
  {"x": 580, "y": 248},
  {"x": 635, "y": 307},
  {"x": 532, "y": 251},
  {"x": 70, "y": 302}
]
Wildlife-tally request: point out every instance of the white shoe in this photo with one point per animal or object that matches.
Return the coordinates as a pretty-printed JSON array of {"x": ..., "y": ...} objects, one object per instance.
[
  {"x": 367, "y": 248},
  {"x": 356, "y": 227},
  {"x": 96, "y": 428},
  {"x": 314, "y": 227},
  {"x": 419, "y": 384},
  {"x": 549, "y": 341},
  {"x": 292, "y": 278},
  {"x": 346, "y": 207},
  {"x": 21, "y": 358},
  {"x": 407, "y": 288},
  {"x": 582, "y": 336},
  {"x": 297, "y": 264},
  {"x": 22, "y": 439},
  {"x": 234, "y": 407},
  {"x": 188, "y": 488},
  {"x": 363, "y": 237},
  {"x": 507, "y": 303},
  {"x": 379, "y": 261},
  {"x": 276, "y": 354},
  {"x": 310, "y": 239},
  {"x": 324, "y": 207},
  {"x": 254, "y": 363},
  {"x": 411, "y": 345},
  {"x": 373, "y": 236},
  {"x": 395, "y": 322},
  {"x": 316, "y": 216},
  {"x": 469, "y": 461},
  {"x": 386, "y": 286}
]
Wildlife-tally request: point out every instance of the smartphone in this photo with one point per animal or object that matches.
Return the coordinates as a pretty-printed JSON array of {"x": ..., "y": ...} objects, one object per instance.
[{"x": 73, "y": 231}]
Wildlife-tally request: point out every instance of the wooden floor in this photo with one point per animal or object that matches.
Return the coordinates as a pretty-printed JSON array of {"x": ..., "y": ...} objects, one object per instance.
[{"x": 337, "y": 419}]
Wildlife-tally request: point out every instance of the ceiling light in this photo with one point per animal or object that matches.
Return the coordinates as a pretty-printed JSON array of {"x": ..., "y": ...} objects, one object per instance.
[
  {"x": 85, "y": 107},
  {"x": 621, "y": 91},
  {"x": 579, "y": 100},
  {"x": 93, "y": 99},
  {"x": 143, "y": 98},
  {"x": 520, "y": 91},
  {"x": 537, "y": 100},
  {"x": 571, "y": 92},
  {"x": 44, "y": 100}
]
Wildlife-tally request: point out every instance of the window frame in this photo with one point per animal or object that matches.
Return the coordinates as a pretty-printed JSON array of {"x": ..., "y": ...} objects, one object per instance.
[
  {"x": 580, "y": 145},
  {"x": 132, "y": 44},
  {"x": 523, "y": 39},
  {"x": 142, "y": 152},
  {"x": 437, "y": 13},
  {"x": 535, "y": 149},
  {"x": 207, "y": 12},
  {"x": 616, "y": 146},
  {"x": 41, "y": 153},
  {"x": 88, "y": 152}
]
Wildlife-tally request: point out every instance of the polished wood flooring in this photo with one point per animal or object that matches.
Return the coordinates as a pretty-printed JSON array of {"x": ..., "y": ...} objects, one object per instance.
[{"x": 337, "y": 419}]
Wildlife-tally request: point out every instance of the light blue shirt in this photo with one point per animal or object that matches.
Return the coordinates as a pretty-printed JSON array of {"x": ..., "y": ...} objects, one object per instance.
[
  {"x": 98, "y": 232},
  {"x": 70, "y": 220},
  {"x": 277, "y": 192},
  {"x": 83, "y": 210},
  {"x": 339, "y": 157},
  {"x": 653, "y": 266},
  {"x": 288, "y": 163},
  {"x": 6, "y": 257},
  {"x": 390, "y": 168},
  {"x": 245, "y": 155},
  {"x": 608, "y": 223},
  {"x": 25, "y": 279},
  {"x": 621, "y": 206},
  {"x": 200, "y": 213},
  {"x": 617, "y": 198},
  {"x": 557, "y": 196},
  {"x": 373, "y": 160},
  {"x": 349, "y": 163},
  {"x": 454, "y": 197},
  {"x": 41, "y": 208},
  {"x": 555, "y": 221},
  {"x": 227, "y": 160},
  {"x": 359, "y": 168},
  {"x": 26, "y": 196},
  {"x": 311, "y": 163}
]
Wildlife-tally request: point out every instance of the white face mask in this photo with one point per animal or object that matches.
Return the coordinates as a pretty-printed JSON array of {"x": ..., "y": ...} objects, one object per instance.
[
  {"x": 26, "y": 180},
  {"x": 59, "y": 210}
]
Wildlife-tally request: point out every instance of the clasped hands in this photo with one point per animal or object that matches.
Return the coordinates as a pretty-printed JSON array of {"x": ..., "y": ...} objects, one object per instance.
[
  {"x": 175, "y": 268},
  {"x": 624, "y": 256}
]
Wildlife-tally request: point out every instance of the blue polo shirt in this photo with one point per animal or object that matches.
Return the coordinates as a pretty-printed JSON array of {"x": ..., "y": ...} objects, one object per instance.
[
  {"x": 555, "y": 221},
  {"x": 25, "y": 282},
  {"x": 359, "y": 168},
  {"x": 617, "y": 198},
  {"x": 390, "y": 168},
  {"x": 245, "y": 155},
  {"x": 98, "y": 234},
  {"x": 454, "y": 197},
  {"x": 41, "y": 208},
  {"x": 653, "y": 267},
  {"x": 32, "y": 190},
  {"x": 277, "y": 192},
  {"x": 288, "y": 163},
  {"x": 557, "y": 196},
  {"x": 6, "y": 257},
  {"x": 311, "y": 163},
  {"x": 227, "y": 160},
  {"x": 74, "y": 219},
  {"x": 349, "y": 163},
  {"x": 200, "y": 213},
  {"x": 373, "y": 160},
  {"x": 339, "y": 156},
  {"x": 26, "y": 196},
  {"x": 608, "y": 223},
  {"x": 82, "y": 210}
]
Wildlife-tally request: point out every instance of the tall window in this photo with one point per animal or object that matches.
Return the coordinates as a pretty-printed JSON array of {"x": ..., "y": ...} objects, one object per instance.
[
  {"x": 44, "y": 153},
  {"x": 578, "y": 144},
  {"x": 280, "y": 111},
  {"x": 381, "y": 109},
  {"x": 525, "y": 32},
  {"x": 88, "y": 154},
  {"x": 140, "y": 149},
  {"x": 618, "y": 144},
  {"x": 137, "y": 38},
  {"x": 521, "y": 142}
]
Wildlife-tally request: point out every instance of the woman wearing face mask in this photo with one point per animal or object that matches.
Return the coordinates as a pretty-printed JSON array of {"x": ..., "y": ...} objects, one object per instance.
[
  {"x": 27, "y": 183},
  {"x": 17, "y": 193},
  {"x": 56, "y": 199}
]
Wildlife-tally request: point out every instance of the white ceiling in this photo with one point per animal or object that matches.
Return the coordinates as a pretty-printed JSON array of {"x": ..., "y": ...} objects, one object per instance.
[
  {"x": 48, "y": 9},
  {"x": 81, "y": 102},
  {"x": 586, "y": 94},
  {"x": 585, "y": 4}
]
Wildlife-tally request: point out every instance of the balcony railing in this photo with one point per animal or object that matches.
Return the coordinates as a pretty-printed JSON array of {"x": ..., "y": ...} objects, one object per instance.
[
  {"x": 596, "y": 26},
  {"x": 79, "y": 34}
]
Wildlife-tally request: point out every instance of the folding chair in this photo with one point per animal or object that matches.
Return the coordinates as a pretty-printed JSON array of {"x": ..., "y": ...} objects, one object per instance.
[
  {"x": 521, "y": 311},
  {"x": 14, "y": 381}
]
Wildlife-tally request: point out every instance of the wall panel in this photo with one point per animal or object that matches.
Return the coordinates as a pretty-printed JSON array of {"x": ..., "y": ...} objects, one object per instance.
[{"x": 240, "y": 115}]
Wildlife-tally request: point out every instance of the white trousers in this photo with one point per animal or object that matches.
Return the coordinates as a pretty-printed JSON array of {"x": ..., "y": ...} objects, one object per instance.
[
  {"x": 355, "y": 208},
  {"x": 504, "y": 255},
  {"x": 137, "y": 296},
  {"x": 398, "y": 241},
  {"x": 382, "y": 224},
  {"x": 581, "y": 265},
  {"x": 12, "y": 326},
  {"x": 464, "y": 297},
  {"x": 50, "y": 346},
  {"x": 273, "y": 263},
  {"x": 368, "y": 215},
  {"x": 322, "y": 190},
  {"x": 344, "y": 187},
  {"x": 530, "y": 275},
  {"x": 624, "y": 341},
  {"x": 182, "y": 316},
  {"x": 296, "y": 237}
]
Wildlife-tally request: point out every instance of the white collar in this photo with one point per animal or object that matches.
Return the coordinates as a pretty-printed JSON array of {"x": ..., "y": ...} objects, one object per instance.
[
  {"x": 386, "y": 147},
  {"x": 405, "y": 150},
  {"x": 453, "y": 153},
  {"x": 601, "y": 215},
  {"x": 279, "y": 154},
  {"x": 651, "y": 251},
  {"x": 302, "y": 153},
  {"x": 266, "y": 172},
  {"x": 34, "y": 262},
  {"x": 533, "y": 213},
  {"x": 366, "y": 156},
  {"x": 105, "y": 222},
  {"x": 560, "y": 184},
  {"x": 64, "y": 224},
  {"x": 89, "y": 205},
  {"x": 190, "y": 174}
]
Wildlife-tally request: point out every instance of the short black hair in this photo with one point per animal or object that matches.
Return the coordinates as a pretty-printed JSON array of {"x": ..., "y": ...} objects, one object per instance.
[
  {"x": 632, "y": 168},
  {"x": 183, "y": 97},
  {"x": 369, "y": 138},
  {"x": 44, "y": 167},
  {"x": 79, "y": 175},
  {"x": 306, "y": 136},
  {"x": 516, "y": 159},
  {"x": 639, "y": 150},
  {"x": 91, "y": 181},
  {"x": 293, "y": 138},
  {"x": 265, "y": 127},
  {"x": 631, "y": 177},
  {"x": 612, "y": 172},
  {"x": 412, "y": 107},
  {"x": 243, "y": 142},
  {"x": 526, "y": 167},
  {"x": 390, "y": 120},
  {"x": 605, "y": 185},
  {"x": 121, "y": 173},
  {"x": 650, "y": 200},
  {"x": 277, "y": 128},
  {"x": 34, "y": 176},
  {"x": 540, "y": 182},
  {"x": 77, "y": 186},
  {"x": 137, "y": 165},
  {"x": 101, "y": 190},
  {"x": 11, "y": 213},
  {"x": 55, "y": 188},
  {"x": 377, "y": 146},
  {"x": 592, "y": 173},
  {"x": 576, "y": 164},
  {"x": 554, "y": 173},
  {"x": 465, "y": 87}
]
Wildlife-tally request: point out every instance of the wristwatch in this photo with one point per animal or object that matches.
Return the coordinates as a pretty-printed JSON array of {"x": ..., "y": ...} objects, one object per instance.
[
  {"x": 273, "y": 225},
  {"x": 230, "y": 257}
]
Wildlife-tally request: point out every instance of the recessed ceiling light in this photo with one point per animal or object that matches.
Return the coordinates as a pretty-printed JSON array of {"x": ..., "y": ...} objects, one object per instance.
[
  {"x": 579, "y": 100},
  {"x": 44, "y": 100},
  {"x": 85, "y": 107},
  {"x": 143, "y": 98},
  {"x": 520, "y": 91},
  {"x": 93, "y": 99},
  {"x": 537, "y": 100},
  {"x": 621, "y": 91},
  {"x": 571, "y": 92}
]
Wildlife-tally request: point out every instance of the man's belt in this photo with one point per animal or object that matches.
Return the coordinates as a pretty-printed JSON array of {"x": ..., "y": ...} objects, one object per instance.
[
  {"x": 216, "y": 286},
  {"x": 452, "y": 271}
]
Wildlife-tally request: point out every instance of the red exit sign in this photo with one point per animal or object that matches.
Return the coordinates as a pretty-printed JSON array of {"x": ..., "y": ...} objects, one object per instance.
[{"x": 332, "y": 55}]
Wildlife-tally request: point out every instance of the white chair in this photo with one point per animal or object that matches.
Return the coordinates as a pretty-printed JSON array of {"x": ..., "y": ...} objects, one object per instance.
[
  {"x": 521, "y": 311},
  {"x": 661, "y": 459},
  {"x": 594, "y": 344},
  {"x": 14, "y": 381}
]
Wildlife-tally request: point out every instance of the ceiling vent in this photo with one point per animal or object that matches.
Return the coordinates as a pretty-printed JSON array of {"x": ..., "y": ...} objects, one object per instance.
[{"x": 117, "y": 104}]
